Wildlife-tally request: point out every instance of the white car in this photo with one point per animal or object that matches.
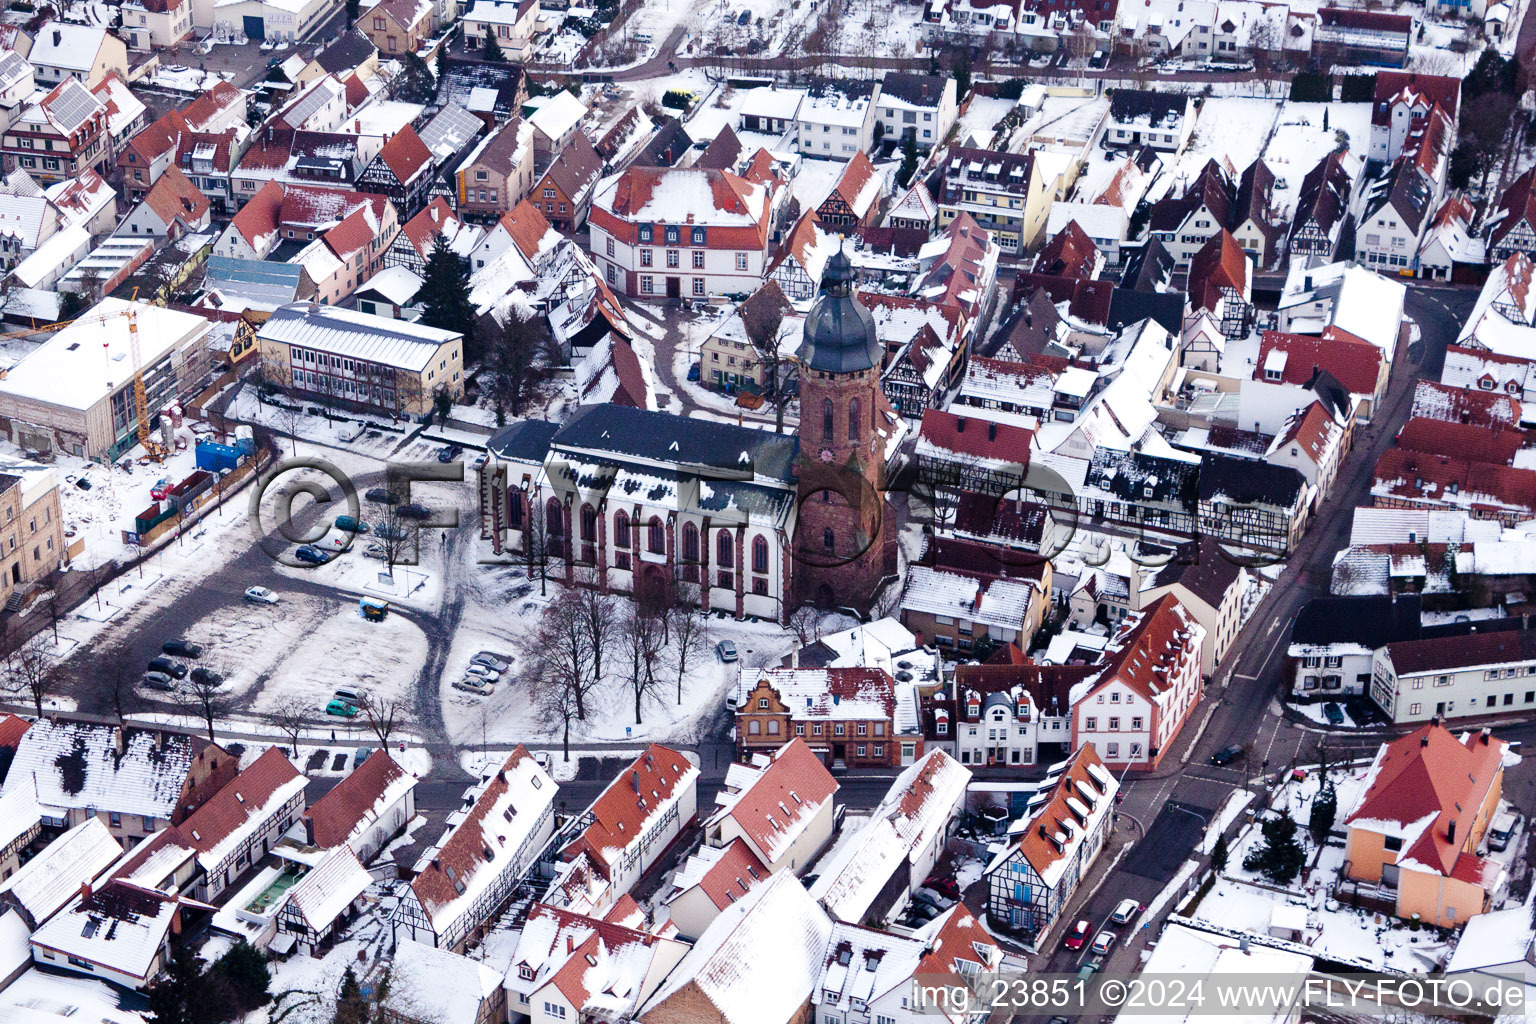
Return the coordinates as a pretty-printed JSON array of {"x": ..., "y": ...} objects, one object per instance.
[
  {"x": 483, "y": 671},
  {"x": 261, "y": 594}
]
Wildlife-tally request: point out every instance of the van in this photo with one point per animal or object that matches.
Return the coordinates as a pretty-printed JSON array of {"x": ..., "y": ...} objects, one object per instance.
[
  {"x": 349, "y": 696},
  {"x": 351, "y": 524},
  {"x": 1501, "y": 830}
]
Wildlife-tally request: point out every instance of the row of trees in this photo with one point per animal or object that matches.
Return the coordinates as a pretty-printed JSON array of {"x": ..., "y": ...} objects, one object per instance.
[{"x": 587, "y": 641}]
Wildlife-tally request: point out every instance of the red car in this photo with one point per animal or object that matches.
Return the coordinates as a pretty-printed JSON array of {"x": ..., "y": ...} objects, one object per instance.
[
  {"x": 944, "y": 886},
  {"x": 1077, "y": 936}
]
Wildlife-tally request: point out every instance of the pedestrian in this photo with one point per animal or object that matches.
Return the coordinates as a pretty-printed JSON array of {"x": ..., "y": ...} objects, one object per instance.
[{"x": 333, "y": 735}]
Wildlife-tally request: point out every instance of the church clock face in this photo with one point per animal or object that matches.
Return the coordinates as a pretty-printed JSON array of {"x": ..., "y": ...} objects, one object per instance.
[{"x": 826, "y": 455}]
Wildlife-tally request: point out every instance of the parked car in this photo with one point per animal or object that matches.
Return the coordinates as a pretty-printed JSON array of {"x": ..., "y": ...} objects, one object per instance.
[
  {"x": 449, "y": 452},
  {"x": 1502, "y": 828},
  {"x": 944, "y": 886},
  {"x": 174, "y": 669},
  {"x": 490, "y": 660},
  {"x": 206, "y": 677},
  {"x": 932, "y": 898},
  {"x": 349, "y": 696},
  {"x": 388, "y": 532},
  {"x": 1088, "y": 970},
  {"x": 483, "y": 671},
  {"x": 415, "y": 511},
  {"x": 1077, "y": 936},
  {"x": 1333, "y": 713},
  {"x": 1226, "y": 755},
  {"x": 480, "y": 460},
  {"x": 311, "y": 554},
  {"x": 1102, "y": 942},
  {"x": 726, "y": 650},
  {"x": 182, "y": 648},
  {"x": 374, "y": 550},
  {"x": 380, "y": 495},
  {"x": 158, "y": 681},
  {"x": 1125, "y": 911},
  {"x": 341, "y": 708},
  {"x": 351, "y": 524},
  {"x": 261, "y": 594},
  {"x": 476, "y": 684},
  {"x": 693, "y": 372},
  {"x": 921, "y": 912}
]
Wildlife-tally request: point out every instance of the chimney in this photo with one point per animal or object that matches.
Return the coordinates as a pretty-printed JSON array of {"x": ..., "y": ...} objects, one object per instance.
[
  {"x": 634, "y": 781},
  {"x": 117, "y": 739},
  {"x": 1450, "y": 831},
  {"x": 960, "y": 425},
  {"x": 794, "y": 658},
  {"x": 85, "y": 890},
  {"x": 1424, "y": 740},
  {"x": 58, "y": 37},
  {"x": 1485, "y": 735},
  {"x": 1435, "y": 720}
]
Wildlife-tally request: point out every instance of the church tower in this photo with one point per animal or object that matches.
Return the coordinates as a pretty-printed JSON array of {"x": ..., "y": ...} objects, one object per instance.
[{"x": 844, "y": 537}]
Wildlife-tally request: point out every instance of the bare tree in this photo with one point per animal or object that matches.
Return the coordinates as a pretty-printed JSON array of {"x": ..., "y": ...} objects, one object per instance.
[
  {"x": 805, "y": 623},
  {"x": 291, "y": 715},
  {"x": 205, "y": 698},
  {"x": 49, "y": 605},
  {"x": 382, "y": 713},
  {"x": 118, "y": 678},
  {"x": 536, "y": 543},
  {"x": 31, "y": 670},
  {"x": 690, "y": 637},
  {"x": 561, "y": 643},
  {"x": 598, "y": 617},
  {"x": 288, "y": 409},
  {"x": 641, "y": 639},
  {"x": 762, "y": 317},
  {"x": 397, "y": 535},
  {"x": 555, "y": 701}
]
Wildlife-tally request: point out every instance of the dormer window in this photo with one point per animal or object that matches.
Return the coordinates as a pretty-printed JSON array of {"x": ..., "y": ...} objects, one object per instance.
[{"x": 525, "y": 972}]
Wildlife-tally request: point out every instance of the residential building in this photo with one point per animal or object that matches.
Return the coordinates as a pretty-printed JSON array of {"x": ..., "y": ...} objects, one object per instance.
[
  {"x": 833, "y": 126},
  {"x": 780, "y": 805},
  {"x": 352, "y": 51},
  {"x": 979, "y": 454},
  {"x": 398, "y": 27},
  {"x": 846, "y": 715},
  {"x": 636, "y": 819},
  {"x": 959, "y": 609},
  {"x": 418, "y": 236},
  {"x": 1334, "y": 641},
  {"x": 1348, "y": 36},
  {"x": 1135, "y": 706},
  {"x": 1511, "y": 227},
  {"x": 465, "y": 878},
  {"x": 1322, "y": 205},
  {"x": 21, "y": 822},
  {"x": 1451, "y": 247},
  {"x": 45, "y": 884},
  {"x": 556, "y": 122},
  {"x": 324, "y": 901},
  {"x": 1343, "y": 300},
  {"x": 372, "y": 362},
  {"x": 923, "y": 106},
  {"x": 1003, "y": 712},
  {"x": 172, "y": 207},
  {"x": 1293, "y": 359},
  {"x": 206, "y": 139},
  {"x": 1253, "y": 507},
  {"x": 1221, "y": 284},
  {"x": 1140, "y": 117},
  {"x": 854, "y": 201},
  {"x": 56, "y": 400},
  {"x": 1214, "y": 588},
  {"x": 61, "y": 136},
  {"x": 1458, "y": 676},
  {"x": 365, "y": 810},
  {"x": 1184, "y": 224},
  {"x": 569, "y": 966},
  {"x": 276, "y": 21},
  {"x": 652, "y": 228},
  {"x": 1400, "y": 103},
  {"x": 1059, "y": 836},
  {"x": 511, "y": 22},
  {"x": 430, "y": 985},
  {"x": 868, "y": 876},
  {"x": 240, "y": 824},
  {"x": 1397, "y": 207},
  {"x": 1313, "y": 443},
  {"x": 402, "y": 171},
  {"x": 156, "y": 24},
  {"x": 497, "y": 174},
  {"x": 564, "y": 193},
  {"x": 85, "y": 53},
  {"x": 729, "y": 359},
  {"x": 1413, "y": 835},
  {"x": 1005, "y": 193},
  {"x": 1256, "y": 223}
]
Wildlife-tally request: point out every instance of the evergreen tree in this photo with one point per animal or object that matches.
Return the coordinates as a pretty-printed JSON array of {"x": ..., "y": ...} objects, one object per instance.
[
  {"x": 962, "y": 73},
  {"x": 1281, "y": 856},
  {"x": 354, "y": 8},
  {"x": 493, "y": 48},
  {"x": 444, "y": 294},
  {"x": 442, "y": 404},
  {"x": 416, "y": 82},
  {"x": 351, "y": 1006},
  {"x": 173, "y": 998},
  {"x": 1325, "y": 806},
  {"x": 71, "y": 305},
  {"x": 442, "y": 63},
  {"x": 908, "y": 158},
  {"x": 245, "y": 969},
  {"x": 1219, "y": 855}
]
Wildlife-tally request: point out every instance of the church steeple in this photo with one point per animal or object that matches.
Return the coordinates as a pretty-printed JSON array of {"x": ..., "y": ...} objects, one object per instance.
[{"x": 839, "y": 332}]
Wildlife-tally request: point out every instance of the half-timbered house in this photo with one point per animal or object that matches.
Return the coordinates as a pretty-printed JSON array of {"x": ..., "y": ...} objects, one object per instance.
[
  {"x": 402, "y": 171},
  {"x": 854, "y": 201}
]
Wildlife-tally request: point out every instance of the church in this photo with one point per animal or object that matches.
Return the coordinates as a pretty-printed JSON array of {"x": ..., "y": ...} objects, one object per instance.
[{"x": 736, "y": 518}]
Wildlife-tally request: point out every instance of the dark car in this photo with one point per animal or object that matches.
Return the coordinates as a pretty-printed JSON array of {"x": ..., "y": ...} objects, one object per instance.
[
  {"x": 1361, "y": 711},
  {"x": 449, "y": 453},
  {"x": 206, "y": 676},
  {"x": 174, "y": 669},
  {"x": 380, "y": 495},
  {"x": 414, "y": 511},
  {"x": 944, "y": 886},
  {"x": 1333, "y": 713},
  {"x": 693, "y": 372},
  {"x": 311, "y": 554},
  {"x": 1226, "y": 755},
  {"x": 182, "y": 648}
]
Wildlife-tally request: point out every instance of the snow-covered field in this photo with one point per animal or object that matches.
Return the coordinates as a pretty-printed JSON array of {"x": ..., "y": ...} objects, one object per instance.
[
  {"x": 1301, "y": 141},
  {"x": 1229, "y": 128}
]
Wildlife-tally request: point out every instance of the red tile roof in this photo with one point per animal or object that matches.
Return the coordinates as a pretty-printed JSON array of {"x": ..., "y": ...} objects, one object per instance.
[
  {"x": 406, "y": 155},
  {"x": 794, "y": 786},
  {"x": 12, "y": 727},
  {"x": 527, "y": 226},
  {"x": 1419, "y": 90},
  {"x": 1051, "y": 819},
  {"x": 230, "y": 808},
  {"x": 173, "y": 197},
  {"x": 982, "y": 438},
  {"x": 1464, "y": 405},
  {"x": 331, "y": 820},
  {"x": 1438, "y": 479},
  {"x": 1139, "y": 657},
  {"x": 620, "y": 813},
  {"x": 850, "y": 184},
  {"x": 1220, "y": 264},
  {"x": 422, "y": 230},
  {"x": 1310, "y": 429},
  {"x": 961, "y": 938},
  {"x": 736, "y": 873},
  {"x": 1428, "y": 774},
  {"x": 1071, "y": 253},
  {"x": 1516, "y": 206},
  {"x": 1463, "y": 440},
  {"x": 1355, "y": 364}
]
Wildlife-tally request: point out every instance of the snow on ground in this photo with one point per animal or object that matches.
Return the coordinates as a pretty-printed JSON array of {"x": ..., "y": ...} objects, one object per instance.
[
  {"x": 304, "y": 988},
  {"x": 185, "y": 79},
  {"x": 1300, "y": 142},
  {"x": 982, "y": 113},
  {"x": 560, "y": 769},
  {"x": 1174, "y": 888},
  {"x": 337, "y": 647},
  {"x": 1232, "y": 128},
  {"x": 1234, "y": 806},
  {"x": 770, "y": 24}
]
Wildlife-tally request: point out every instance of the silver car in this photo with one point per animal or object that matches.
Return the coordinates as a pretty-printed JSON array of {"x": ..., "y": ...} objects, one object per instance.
[
  {"x": 483, "y": 672},
  {"x": 490, "y": 661},
  {"x": 159, "y": 681},
  {"x": 475, "y": 684}
]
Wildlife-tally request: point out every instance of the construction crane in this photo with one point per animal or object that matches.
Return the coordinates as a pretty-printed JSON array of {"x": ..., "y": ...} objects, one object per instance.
[{"x": 154, "y": 449}]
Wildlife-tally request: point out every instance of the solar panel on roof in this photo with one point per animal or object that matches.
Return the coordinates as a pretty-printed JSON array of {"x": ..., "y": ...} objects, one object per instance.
[{"x": 73, "y": 105}]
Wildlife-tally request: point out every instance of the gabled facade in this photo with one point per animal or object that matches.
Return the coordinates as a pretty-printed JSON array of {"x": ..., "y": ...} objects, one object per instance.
[
  {"x": 402, "y": 171},
  {"x": 497, "y": 174},
  {"x": 780, "y": 806},
  {"x": 241, "y": 823},
  {"x": 61, "y": 136},
  {"x": 564, "y": 193},
  {"x": 854, "y": 201},
  {"x": 1221, "y": 284},
  {"x": 1322, "y": 205},
  {"x": 399, "y": 27},
  {"x": 922, "y": 106},
  {"x": 846, "y": 715},
  {"x": 1005, "y": 193}
]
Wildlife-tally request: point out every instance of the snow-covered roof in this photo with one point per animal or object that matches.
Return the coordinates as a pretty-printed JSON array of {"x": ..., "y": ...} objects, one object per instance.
[
  {"x": 777, "y": 803},
  {"x": 772, "y": 102},
  {"x": 1496, "y": 939},
  {"x": 601, "y": 966},
  {"x": 396, "y": 284},
  {"x": 760, "y": 960},
  {"x": 352, "y": 334},
  {"x": 59, "y": 44},
  {"x": 862, "y": 965},
  {"x": 823, "y": 693},
  {"x": 329, "y": 888},
  {"x": 46, "y": 882},
  {"x": 76, "y": 765},
  {"x": 243, "y": 806},
  {"x": 1189, "y": 952},
  {"x": 992, "y": 601},
  {"x": 427, "y": 983},
  {"x": 71, "y": 369},
  {"x": 120, "y": 926},
  {"x": 558, "y": 115}
]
